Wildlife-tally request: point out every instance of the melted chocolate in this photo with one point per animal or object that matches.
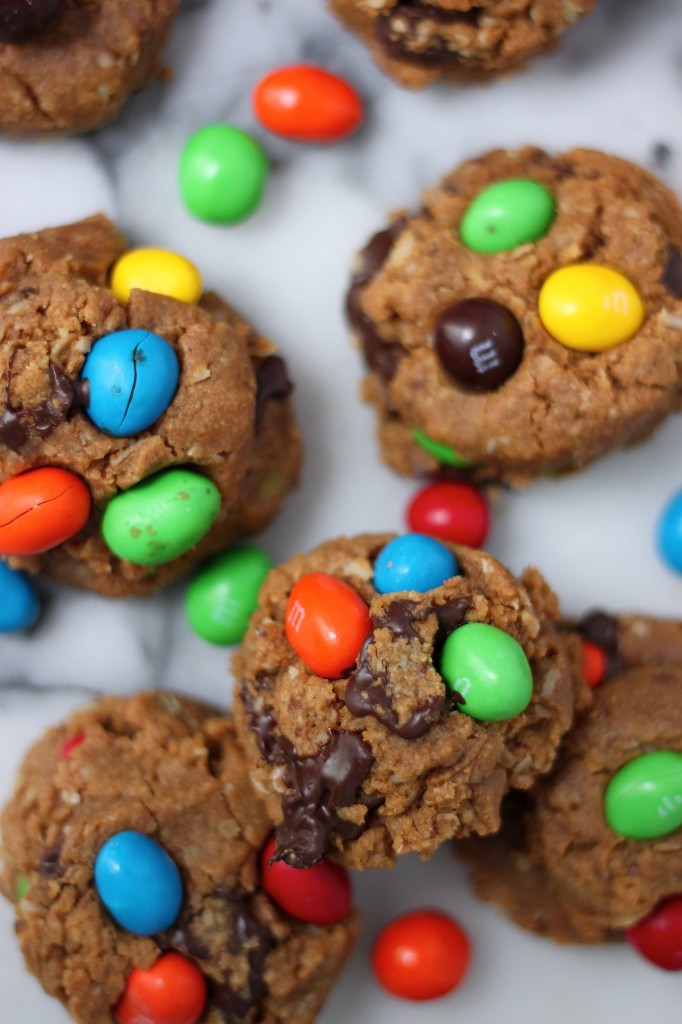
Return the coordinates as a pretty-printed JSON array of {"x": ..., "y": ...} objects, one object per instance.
[
  {"x": 400, "y": 29},
  {"x": 602, "y": 629},
  {"x": 272, "y": 383},
  {"x": 50, "y": 866},
  {"x": 399, "y": 617},
  {"x": 17, "y": 425},
  {"x": 248, "y": 937},
  {"x": 672, "y": 272}
]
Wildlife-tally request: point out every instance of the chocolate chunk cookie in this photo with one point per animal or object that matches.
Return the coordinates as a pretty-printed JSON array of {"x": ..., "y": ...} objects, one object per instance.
[
  {"x": 219, "y": 459},
  {"x": 362, "y": 713},
  {"x": 68, "y": 66},
  {"x": 527, "y": 319},
  {"x": 168, "y": 771},
  {"x": 417, "y": 43},
  {"x": 559, "y": 866}
]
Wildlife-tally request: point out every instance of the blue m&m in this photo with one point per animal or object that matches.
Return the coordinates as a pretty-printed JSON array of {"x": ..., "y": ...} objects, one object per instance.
[
  {"x": 132, "y": 377},
  {"x": 19, "y": 604},
  {"x": 413, "y": 562},
  {"x": 669, "y": 533},
  {"x": 138, "y": 883}
]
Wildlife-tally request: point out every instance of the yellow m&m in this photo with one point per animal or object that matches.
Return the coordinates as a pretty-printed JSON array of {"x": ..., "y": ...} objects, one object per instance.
[
  {"x": 156, "y": 270},
  {"x": 590, "y": 308}
]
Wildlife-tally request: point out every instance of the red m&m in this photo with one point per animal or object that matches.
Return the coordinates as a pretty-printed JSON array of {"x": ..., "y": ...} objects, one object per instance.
[
  {"x": 658, "y": 937},
  {"x": 593, "y": 663},
  {"x": 307, "y": 104},
  {"x": 173, "y": 991},
  {"x": 451, "y": 511},
  {"x": 326, "y": 623},
  {"x": 318, "y": 895},
  {"x": 421, "y": 955},
  {"x": 40, "y": 509}
]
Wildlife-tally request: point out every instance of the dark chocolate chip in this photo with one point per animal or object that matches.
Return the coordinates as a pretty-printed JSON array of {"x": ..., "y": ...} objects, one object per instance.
[
  {"x": 50, "y": 866},
  {"x": 272, "y": 383},
  {"x": 23, "y": 19},
  {"x": 401, "y": 32},
  {"x": 247, "y": 937},
  {"x": 372, "y": 258},
  {"x": 602, "y": 629},
  {"x": 672, "y": 272},
  {"x": 16, "y": 425},
  {"x": 479, "y": 343}
]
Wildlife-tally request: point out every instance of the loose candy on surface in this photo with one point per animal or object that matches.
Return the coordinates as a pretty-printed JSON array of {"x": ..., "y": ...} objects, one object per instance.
[
  {"x": 479, "y": 343},
  {"x": 19, "y": 603},
  {"x": 223, "y": 595},
  {"x": 223, "y": 172},
  {"x": 590, "y": 308},
  {"x": 451, "y": 511},
  {"x": 643, "y": 799},
  {"x": 321, "y": 894},
  {"x": 421, "y": 955},
  {"x": 593, "y": 663},
  {"x": 413, "y": 562},
  {"x": 307, "y": 104},
  {"x": 162, "y": 517},
  {"x": 443, "y": 453},
  {"x": 155, "y": 270},
  {"x": 488, "y": 669},
  {"x": 326, "y": 623},
  {"x": 658, "y": 936},
  {"x": 21, "y": 20},
  {"x": 40, "y": 509},
  {"x": 132, "y": 377},
  {"x": 507, "y": 214},
  {"x": 172, "y": 991},
  {"x": 669, "y": 533},
  {"x": 138, "y": 883}
]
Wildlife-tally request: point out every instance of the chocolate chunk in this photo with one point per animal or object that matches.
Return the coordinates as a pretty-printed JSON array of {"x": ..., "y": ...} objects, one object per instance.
[
  {"x": 50, "y": 866},
  {"x": 479, "y": 343},
  {"x": 16, "y": 425},
  {"x": 247, "y": 937},
  {"x": 372, "y": 258},
  {"x": 672, "y": 272},
  {"x": 452, "y": 614},
  {"x": 185, "y": 940},
  {"x": 24, "y": 19},
  {"x": 402, "y": 32},
  {"x": 272, "y": 382},
  {"x": 398, "y": 616}
]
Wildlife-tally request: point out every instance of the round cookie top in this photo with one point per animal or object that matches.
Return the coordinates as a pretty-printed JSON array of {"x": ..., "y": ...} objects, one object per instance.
[
  {"x": 68, "y": 66},
  {"x": 368, "y": 735},
  {"x": 167, "y": 772},
  {"x": 64, "y": 395},
  {"x": 527, "y": 333}
]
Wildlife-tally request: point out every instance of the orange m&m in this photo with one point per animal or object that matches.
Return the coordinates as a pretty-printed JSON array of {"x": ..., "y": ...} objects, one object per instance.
[
  {"x": 326, "y": 623},
  {"x": 173, "y": 991},
  {"x": 307, "y": 104},
  {"x": 40, "y": 509}
]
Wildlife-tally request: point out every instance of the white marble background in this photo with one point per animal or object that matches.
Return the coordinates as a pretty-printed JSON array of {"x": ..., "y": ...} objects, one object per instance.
[{"x": 616, "y": 85}]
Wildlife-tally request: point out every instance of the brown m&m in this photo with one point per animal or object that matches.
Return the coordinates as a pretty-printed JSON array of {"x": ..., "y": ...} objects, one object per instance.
[{"x": 479, "y": 343}]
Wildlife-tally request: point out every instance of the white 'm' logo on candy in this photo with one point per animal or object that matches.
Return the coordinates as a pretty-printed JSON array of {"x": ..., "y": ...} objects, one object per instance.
[{"x": 484, "y": 356}]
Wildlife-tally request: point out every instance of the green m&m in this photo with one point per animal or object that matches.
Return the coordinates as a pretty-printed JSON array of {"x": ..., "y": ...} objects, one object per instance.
[
  {"x": 488, "y": 669},
  {"x": 222, "y": 173},
  {"x": 507, "y": 214},
  {"x": 223, "y": 595},
  {"x": 162, "y": 517},
  {"x": 443, "y": 453},
  {"x": 643, "y": 800}
]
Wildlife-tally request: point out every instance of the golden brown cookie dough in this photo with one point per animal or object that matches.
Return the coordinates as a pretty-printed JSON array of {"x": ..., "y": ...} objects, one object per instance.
[
  {"x": 170, "y": 768},
  {"x": 231, "y": 418},
  {"x": 558, "y": 408},
  {"x": 75, "y": 74},
  {"x": 556, "y": 867},
  {"x": 417, "y": 43},
  {"x": 403, "y": 771}
]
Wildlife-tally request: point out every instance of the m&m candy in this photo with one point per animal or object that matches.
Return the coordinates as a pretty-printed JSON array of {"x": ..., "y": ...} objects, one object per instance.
[
  {"x": 155, "y": 270},
  {"x": 326, "y": 623},
  {"x": 452, "y": 511},
  {"x": 19, "y": 604},
  {"x": 421, "y": 955},
  {"x": 222, "y": 596},
  {"x": 138, "y": 883},
  {"x": 643, "y": 800},
  {"x": 162, "y": 517},
  {"x": 413, "y": 562},
  {"x": 307, "y": 104},
  {"x": 590, "y": 308},
  {"x": 479, "y": 343},
  {"x": 593, "y": 663},
  {"x": 132, "y": 377},
  {"x": 320, "y": 894},
  {"x": 669, "y": 533},
  {"x": 172, "y": 991},
  {"x": 658, "y": 936},
  {"x": 223, "y": 172},
  {"x": 70, "y": 745},
  {"x": 40, "y": 509},
  {"x": 443, "y": 453},
  {"x": 507, "y": 214},
  {"x": 487, "y": 671}
]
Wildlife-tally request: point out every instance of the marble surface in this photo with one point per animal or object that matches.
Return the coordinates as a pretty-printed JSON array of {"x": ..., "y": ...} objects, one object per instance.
[{"x": 616, "y": 85}]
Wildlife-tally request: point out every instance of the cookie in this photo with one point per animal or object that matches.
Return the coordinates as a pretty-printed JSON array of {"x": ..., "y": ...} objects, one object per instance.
[
  {"x": 418, "y": 43},
  {"x": 167, "y": 771},
  {"x": 527, "y": 319},
  {"x": 152, "y": 497},
  {"x": 67, "y": 66},
  {"x": 560, "y": 866},
  {"x": 354, "y": 706}
]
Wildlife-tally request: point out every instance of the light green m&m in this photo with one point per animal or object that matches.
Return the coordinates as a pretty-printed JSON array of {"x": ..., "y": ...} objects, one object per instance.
[
  {"x": 222, "y": 597},
  {"x": 488, "y": 669},
  {"x": 443, "y": 453},
  {"x": 161, "y": 518},
  {"x": 222, "y": 174},
  {"x": 507, "y": 214},
  {"x": 643, "y": 800}
]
